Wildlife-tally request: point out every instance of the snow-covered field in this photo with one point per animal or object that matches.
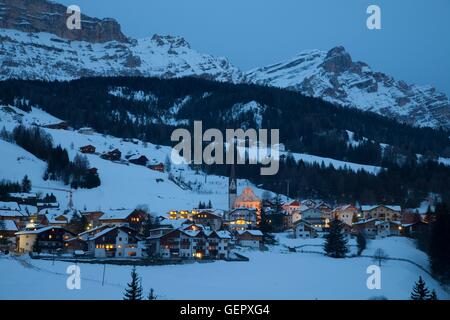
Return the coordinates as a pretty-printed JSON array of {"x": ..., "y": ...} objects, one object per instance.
[{"x": 274, "y": 274}]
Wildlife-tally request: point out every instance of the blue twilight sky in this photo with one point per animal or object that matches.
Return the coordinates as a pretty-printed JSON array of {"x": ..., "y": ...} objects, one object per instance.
[{"x": 413, "y": 45}]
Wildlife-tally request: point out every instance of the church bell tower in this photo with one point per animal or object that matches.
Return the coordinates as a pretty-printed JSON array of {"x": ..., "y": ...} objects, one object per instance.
[{"x": 232, "y": 188}]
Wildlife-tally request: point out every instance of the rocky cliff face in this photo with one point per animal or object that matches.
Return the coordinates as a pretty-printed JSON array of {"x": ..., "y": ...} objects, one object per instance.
[
  {"x": 36, "y": 44},
  {"x": 335, "y": 77},
  {"x": 34, "y": 16}
]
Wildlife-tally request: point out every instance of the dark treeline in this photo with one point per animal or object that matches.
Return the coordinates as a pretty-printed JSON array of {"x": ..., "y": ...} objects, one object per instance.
[
  {"x": 59, "y": 167},
  {"x": 434, "y": 241},
  {"x": 406, "y": 185},
  {"x": 307, "y": 125},
  {"x": 7, "y": 187}
]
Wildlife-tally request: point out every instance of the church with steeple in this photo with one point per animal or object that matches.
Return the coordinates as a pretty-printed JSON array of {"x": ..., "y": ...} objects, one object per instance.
[{"x": 232, "y": 188}]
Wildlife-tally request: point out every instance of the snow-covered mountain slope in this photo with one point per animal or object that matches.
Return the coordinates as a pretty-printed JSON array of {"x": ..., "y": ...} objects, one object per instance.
[
  {"x": 46, "y": 56},
  {"x": 150, "y": 188},
  {"x": 35, "y": 43},
  {"x": 335, "y": 77}
]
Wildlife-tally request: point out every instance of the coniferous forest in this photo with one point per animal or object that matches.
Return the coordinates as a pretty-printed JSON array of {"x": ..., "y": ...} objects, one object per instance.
[{"x": 307, "y": 125}]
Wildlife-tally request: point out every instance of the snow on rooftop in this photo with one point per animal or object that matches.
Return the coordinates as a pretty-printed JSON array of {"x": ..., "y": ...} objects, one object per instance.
[
  {"x": 252, "y": 232},
  {"x": 38, "y": 231},
  {"x": 11, "y": 213},
  {"x": 114, "y": 214},
  {"x": 101, "y": 233},
  {"x": 9, "y": 206},
  {"x": 22, "y": 195},
  {"x": 371, "y": 207},
  {"x": 9, "y": 225}
]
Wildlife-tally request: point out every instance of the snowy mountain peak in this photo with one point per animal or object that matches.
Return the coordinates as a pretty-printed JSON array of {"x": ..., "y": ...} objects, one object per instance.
[
  {"x": 337, "y": 60},
  {"x": 170, "y": 41},
  {"x": 335, "y": 77},
  {"x": 36, "y": 44}
]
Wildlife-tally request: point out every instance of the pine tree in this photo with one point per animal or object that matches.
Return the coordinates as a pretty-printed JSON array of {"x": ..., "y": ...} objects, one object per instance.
[
  {"x": 36, "y": 247},
  {"x": 151, "y": 295},
  {"x": 433, "y": 295},
  {"x": 134, "y": 290},
  {"x": 335, "y": 241},
  {"x": 3, "y": 240},
  {"x": 26, "y": 184},
  {"x": 168, "y": 164},
  {"x": 361, "y": 242},
  {"x": 420, "y": 291}
]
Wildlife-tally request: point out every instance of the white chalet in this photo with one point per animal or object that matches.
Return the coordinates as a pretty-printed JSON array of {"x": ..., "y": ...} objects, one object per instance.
[{"x": 304, "y": 230}]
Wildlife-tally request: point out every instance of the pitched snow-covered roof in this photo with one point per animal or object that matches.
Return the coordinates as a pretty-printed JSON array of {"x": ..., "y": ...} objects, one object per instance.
[
  {"x": 192, "y": 233},
  {"x": 48, "y": 204},
  {"x": 176, "y": 224},
  {"x": 223, "y": 234},
  {"x": 25, "y": 208},
  {"x": 109, "y": 229},
  {"x": 11, "y": 213},
  {"x": 365, "y": 221},
  {"x": 323, "y": 203},
  {"x": 377, "y": 223},
  {"x": 23, "y": 195},
  {"x": 137, "y": 157},
  {"x": 9, "y": 206},
  {"x": 52, "y": 218},
  {"x": 9, "y": 225},
  {"x": 309, "y": 201},
  {"x": 38, "y": 231},
  {"x": 303, "y": 208},
  {"x": 93, "y": 230},
  {"x": 392, "y": 207},
  {"x": 102, "y": 233},
  {"x": 51, "y": 211},
  {"x": 343, "y": 207},
  {"x": 115, "y": 214},
  {"x": 252, "y": 232}
]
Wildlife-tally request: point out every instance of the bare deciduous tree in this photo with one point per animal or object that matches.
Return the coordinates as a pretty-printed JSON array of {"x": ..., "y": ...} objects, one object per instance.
[{"x": 380, "y": 256}]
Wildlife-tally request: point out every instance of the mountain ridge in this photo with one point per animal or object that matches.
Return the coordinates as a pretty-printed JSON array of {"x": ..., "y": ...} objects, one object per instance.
[
  {"x": 336, "y": 78},
  {"x": 35, "y": 44}
]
